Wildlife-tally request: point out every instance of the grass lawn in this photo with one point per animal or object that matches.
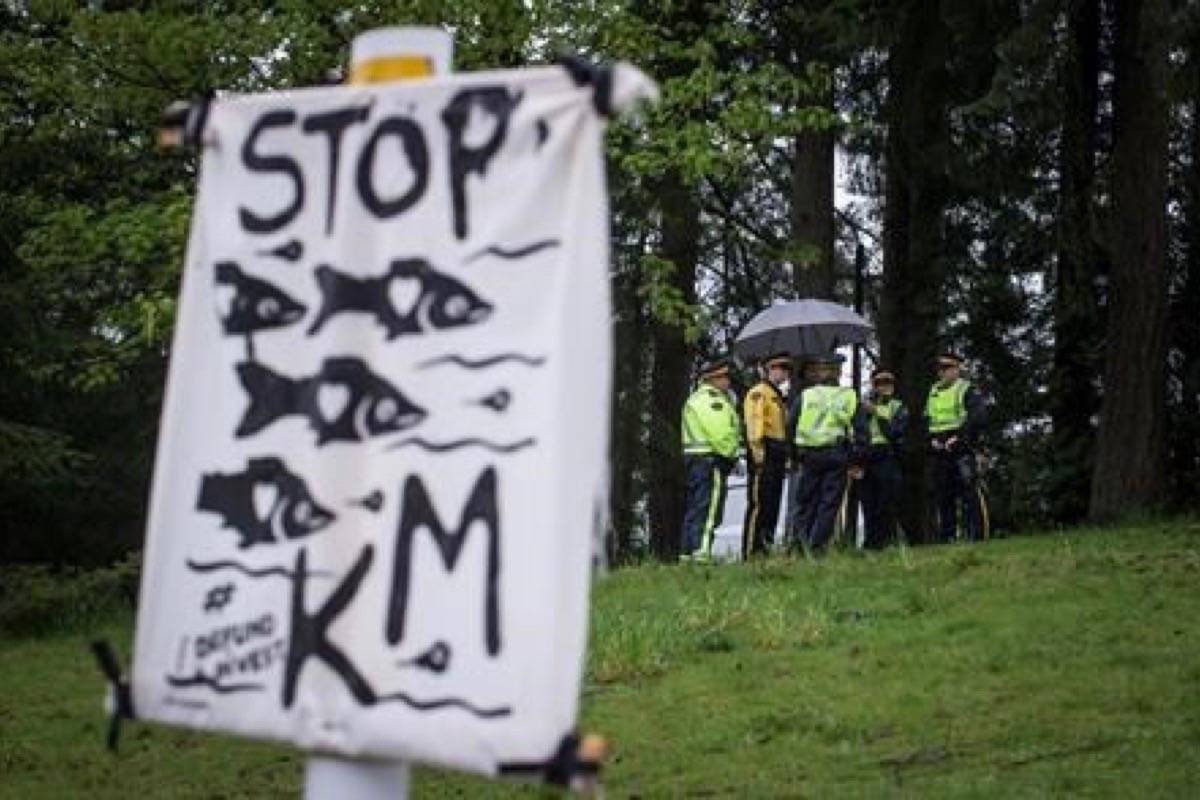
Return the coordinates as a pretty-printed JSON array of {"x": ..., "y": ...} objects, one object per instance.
[{"x": 1051, "y": 665}]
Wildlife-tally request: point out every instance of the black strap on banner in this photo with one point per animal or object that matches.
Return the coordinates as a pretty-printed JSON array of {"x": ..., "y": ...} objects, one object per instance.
[
  {"x": 122, "y": 696},
  {"x": 182, "y": 123},
  {"x": 598, "y": 76},
  {"x": 568, "y": 766}
]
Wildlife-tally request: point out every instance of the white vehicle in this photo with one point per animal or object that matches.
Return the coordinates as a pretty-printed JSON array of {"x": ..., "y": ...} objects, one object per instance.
[{"x": 727, "y": 540}]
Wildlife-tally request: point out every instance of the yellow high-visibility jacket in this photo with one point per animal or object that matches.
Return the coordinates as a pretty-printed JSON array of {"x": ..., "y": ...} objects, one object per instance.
[
  {"x": 765, "y": 419},
  {"x": 710, "y": 425}
]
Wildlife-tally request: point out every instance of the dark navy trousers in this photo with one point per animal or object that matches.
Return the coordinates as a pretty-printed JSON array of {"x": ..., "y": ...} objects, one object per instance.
[
  {"x": 822, "y": 486},
  {"x": 704, "y": 502},
  {"x": 879, "y": 490},
  {"x": 955, "y": 485}
]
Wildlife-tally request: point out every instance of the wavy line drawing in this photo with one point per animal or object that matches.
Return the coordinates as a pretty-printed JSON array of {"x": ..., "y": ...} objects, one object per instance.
[
  {"x": 483, "y": 363},
  {"x": 442, "y": 447},
  {"x": 200, "y": 679},
  {"x": 196, "y": 566},
  {"x": 446, "y": 702},
  {"x": 514, "y": 253}
]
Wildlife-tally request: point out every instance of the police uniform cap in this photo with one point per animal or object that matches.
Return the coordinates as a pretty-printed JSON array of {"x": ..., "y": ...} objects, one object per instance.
[
  {"x": 827, "y": 359},
  {"x": 883, "y": 376},
  {"x": 949, "y": 358},
  {"x": 714, "y": 367},
  {"x": 779, "y": 360}
]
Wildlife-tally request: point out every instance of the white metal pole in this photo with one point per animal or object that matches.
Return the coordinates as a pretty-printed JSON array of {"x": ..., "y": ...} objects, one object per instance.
[
  {"x": 384, "y": 54},
  {"x": 329, "y": 778}
]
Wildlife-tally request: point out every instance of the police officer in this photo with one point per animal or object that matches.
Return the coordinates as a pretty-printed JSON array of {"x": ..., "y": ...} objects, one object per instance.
[
  {"x": 829, "y": 429},
  {"x": 955, "y": 413},
  {"x": 767, "y": 454},
  {"x": 809, "y": 370},
  {"x": 710, "y": 444},
  {"x": 887, "y": 420}
]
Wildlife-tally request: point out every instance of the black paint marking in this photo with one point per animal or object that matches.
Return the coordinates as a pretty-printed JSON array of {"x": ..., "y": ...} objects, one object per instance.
[
  {"x": 543, "y": 132},
  {"x": 333, "y": 124},
  {"x": 266, "y": 572},
  {"x": 418, "y": 514},
  {"x": 218, "y": 597},
  {"x": 442, "y": 447},
  {"x": 497, "y": 401},
  {"x": 516, "y": 252},
  {"x": 200, "y": 679},
  {"x": 447, "y": 702},
  {"x": 367, "y": 404},
  {"x": 493, "y": 101},
  {"x": 289, "y": 251},
  {"x": 483, "y": 363},
  {"x": 435, "y": 659},
  {"x": 372, "y": 502},
  {"x": 257, "y": 162},
  {"x": 309, "y": 631},
  {"x": 415, "y": 151},
  {"x": 257, "y": 305},
  {"x": 309, "y": 639},
  {"x": 292, "y": 513},
  {"x": 442, "y": 301}
]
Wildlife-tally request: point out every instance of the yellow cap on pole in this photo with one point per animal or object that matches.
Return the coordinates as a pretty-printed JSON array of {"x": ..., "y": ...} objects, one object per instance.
[{"x": 402, "y": 53}]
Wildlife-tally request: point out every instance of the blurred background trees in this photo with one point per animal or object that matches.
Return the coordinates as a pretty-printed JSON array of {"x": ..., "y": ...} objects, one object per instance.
[{"x": 1014, "y": 178}]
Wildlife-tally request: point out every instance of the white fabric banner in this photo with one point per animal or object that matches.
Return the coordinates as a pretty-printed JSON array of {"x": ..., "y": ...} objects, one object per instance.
[{"x": 383, "y": 455}]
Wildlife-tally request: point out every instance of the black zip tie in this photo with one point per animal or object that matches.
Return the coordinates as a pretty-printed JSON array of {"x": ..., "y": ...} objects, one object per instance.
[
  {"x": 182, "y": 123},
  {"x": 560, "y": 769},
  {"x": 122, "y": 696},
  {"x": 598, "y": 76}
]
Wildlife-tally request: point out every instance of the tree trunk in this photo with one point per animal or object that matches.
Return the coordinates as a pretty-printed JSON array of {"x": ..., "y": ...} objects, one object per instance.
[
  {"x": 914, "y": 269},
  {"x": 669, "y": 375},
  {"x": 812, "y": 210},
  {"x": 1130, "y": 450},
  {"x": 1185, "y": 325},
  {"x": 1073, "y": 396},
  {"x": 629, "y": 404}
]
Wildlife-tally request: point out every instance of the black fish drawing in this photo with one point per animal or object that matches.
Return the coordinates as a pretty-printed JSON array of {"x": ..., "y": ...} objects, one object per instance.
[
  {"x": 441, "y": 301},
  {"x": 265, "y": 503},
  {"x": 344, "y": 402},
  {"x": 257, "y": 305}
]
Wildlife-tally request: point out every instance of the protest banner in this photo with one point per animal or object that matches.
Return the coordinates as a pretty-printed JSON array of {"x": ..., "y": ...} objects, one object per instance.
[{"x": 382, "y": 464}]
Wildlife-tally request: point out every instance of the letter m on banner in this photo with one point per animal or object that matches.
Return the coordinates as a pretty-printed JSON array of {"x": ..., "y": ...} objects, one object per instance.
[{"x": 418, "y": 513}]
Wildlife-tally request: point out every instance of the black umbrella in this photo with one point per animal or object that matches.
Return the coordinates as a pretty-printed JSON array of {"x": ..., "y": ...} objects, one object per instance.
[{"x": 801, "y": 327}]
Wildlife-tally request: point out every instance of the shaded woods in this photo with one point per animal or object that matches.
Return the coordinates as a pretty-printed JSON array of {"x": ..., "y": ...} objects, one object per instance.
[{"x": 1019, "y": 176}]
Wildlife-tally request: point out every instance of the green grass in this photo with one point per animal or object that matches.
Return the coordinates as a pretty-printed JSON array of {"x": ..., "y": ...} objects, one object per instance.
[{"x": 1055, "y": 665}]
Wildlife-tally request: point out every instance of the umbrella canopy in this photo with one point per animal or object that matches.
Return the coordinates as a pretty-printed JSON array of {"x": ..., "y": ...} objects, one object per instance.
[{"x": 801, "y": 327}]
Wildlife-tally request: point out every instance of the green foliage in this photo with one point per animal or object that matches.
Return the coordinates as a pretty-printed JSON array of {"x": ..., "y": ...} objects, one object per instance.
[
  {"x": 38, "y": 601},
  {"x": 31, "y": 455},
  {"x": 665, "y": 301}
]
